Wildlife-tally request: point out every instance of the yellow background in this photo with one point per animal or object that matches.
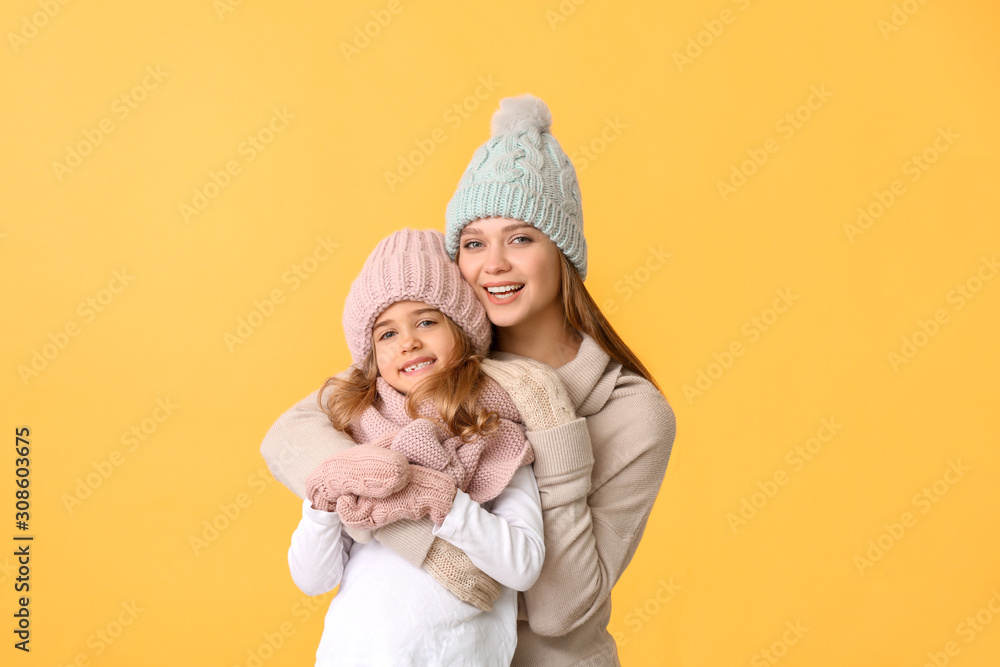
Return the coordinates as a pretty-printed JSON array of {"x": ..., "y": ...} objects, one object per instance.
[{"x": 650, "y": 185}]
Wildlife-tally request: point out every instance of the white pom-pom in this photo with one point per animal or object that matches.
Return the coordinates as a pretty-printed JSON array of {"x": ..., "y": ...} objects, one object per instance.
[{"x": 521, "y": 113}]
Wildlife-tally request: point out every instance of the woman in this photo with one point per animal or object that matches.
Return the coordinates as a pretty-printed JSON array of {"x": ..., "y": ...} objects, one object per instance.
[{"x": 600, "y": 429}]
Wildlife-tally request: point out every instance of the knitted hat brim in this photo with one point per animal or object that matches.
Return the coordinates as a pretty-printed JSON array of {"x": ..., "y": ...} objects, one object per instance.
[{"x": 497, "y": 199}]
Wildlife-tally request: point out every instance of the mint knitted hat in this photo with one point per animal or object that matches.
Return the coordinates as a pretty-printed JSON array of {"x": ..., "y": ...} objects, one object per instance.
[
  {"x": 411, "y": 265},
  {"x": 521, "y": 173}
]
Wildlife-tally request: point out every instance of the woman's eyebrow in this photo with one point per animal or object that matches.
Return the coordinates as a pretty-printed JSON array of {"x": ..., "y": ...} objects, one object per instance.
[{"x": 508, "y": 228}]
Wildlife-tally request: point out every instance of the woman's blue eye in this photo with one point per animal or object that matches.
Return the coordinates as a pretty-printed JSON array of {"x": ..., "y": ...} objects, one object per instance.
[
  {"x": 524, "y": 238},
  {"x": 471, "y": 244}
]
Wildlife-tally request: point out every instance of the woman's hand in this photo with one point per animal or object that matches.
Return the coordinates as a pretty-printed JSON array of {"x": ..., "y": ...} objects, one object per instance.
[
  {"x": 363, "y": 469},
  {"x": 451, "y": 568},
  {"x": 536, "y": 390}
]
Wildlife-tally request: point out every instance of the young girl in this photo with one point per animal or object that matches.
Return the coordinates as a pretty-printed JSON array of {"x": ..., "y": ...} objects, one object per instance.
[{"x": 440, "y": 440}]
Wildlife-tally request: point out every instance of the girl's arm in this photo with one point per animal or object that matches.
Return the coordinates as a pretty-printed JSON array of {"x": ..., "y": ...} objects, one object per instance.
[
  {"x": 319, "y": 551},
  {"x": 300, "y": 440},
  {"x": 506, "y": 542},
  {"x": 303, "y": 437}
]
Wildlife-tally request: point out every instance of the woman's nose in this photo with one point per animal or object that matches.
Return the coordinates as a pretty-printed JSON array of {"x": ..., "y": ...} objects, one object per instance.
[{"x": 496, "y": 259}]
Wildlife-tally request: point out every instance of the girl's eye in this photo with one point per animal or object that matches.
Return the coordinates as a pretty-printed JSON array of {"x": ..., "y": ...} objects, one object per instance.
[
  {"x": 387, "y": 334},
  {"x": 469, "y": 245},
  {"x": 427, "y": 322}
]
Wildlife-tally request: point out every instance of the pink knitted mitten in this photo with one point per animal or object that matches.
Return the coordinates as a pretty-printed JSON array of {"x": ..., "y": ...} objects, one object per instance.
[
  {"x": 429, "y": 493},
  {"x": 362, "y": 469}
]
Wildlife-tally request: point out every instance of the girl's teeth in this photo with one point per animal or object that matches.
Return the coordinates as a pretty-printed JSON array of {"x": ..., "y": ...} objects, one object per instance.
[{"x": 413, "y": 368}]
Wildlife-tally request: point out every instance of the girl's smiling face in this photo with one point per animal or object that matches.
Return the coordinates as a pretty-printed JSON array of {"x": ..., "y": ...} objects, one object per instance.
[
  {"x": 411, "y": 340},
  {"x": 514, "y": 269}
]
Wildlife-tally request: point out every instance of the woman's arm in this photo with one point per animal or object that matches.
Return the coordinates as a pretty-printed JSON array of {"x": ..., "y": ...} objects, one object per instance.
[
  {"x": 595, "y": 501},
  {"x": 594, "y": 515},
  {"x": 319, "y": 551},
  {"x": 505, "y": 542},
  {"x": 299, "y": 441}
]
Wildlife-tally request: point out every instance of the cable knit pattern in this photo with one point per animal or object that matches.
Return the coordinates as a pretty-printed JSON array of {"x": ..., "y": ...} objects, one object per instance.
[
  {"x": 536, "y": 389},
  {"x": 522, "y": 173},
  {"x": 482, "y": 468},
  {"x": 429, "y": 493},
  {"x": 366, "y": 469},
  {"x": 411, "y": 265}
]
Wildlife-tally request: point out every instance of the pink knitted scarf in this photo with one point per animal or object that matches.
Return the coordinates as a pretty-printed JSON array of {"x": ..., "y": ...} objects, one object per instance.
[{"x": 482, "y": 468}]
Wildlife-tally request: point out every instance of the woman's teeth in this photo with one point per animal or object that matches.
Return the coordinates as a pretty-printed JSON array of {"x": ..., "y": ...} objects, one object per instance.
[
  {"x": 505, "y": 291},
  {"x": 416, "y": 366}
]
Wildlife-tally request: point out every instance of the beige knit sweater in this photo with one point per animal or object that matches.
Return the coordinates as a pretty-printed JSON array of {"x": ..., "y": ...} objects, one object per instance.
[{"x": 598, "y": 477}]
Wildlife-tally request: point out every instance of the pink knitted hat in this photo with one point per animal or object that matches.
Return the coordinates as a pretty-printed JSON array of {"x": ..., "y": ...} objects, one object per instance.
[{"x": 411, "y": 265}]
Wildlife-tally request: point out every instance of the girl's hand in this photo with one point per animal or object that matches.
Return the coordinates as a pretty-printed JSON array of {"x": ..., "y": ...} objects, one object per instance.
[
  {"x": 362, "y": 469},
  {"x": 429, "y": 493},
  {"x": 536, "y": 390}
]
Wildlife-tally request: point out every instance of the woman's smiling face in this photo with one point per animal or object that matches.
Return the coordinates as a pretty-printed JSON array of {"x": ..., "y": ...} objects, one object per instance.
[{"x": 513, "y": 267}]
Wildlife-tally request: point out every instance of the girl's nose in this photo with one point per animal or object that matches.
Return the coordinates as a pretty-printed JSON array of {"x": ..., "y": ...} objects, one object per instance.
[{"x": 409, "y": 340}]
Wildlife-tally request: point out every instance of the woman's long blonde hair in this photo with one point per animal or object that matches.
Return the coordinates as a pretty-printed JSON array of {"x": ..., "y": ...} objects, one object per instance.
[
  {"x": 454, "y": 388},
  {"x": 584, "y": 315}
]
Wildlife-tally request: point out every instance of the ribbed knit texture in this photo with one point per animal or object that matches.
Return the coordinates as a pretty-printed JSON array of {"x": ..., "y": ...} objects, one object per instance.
[
  {"x": 411, "y": 265},
  {"x": 522, "y": 173},
  {"x": 482, "y": 468},
  {"x": 446, "y": 562}
]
